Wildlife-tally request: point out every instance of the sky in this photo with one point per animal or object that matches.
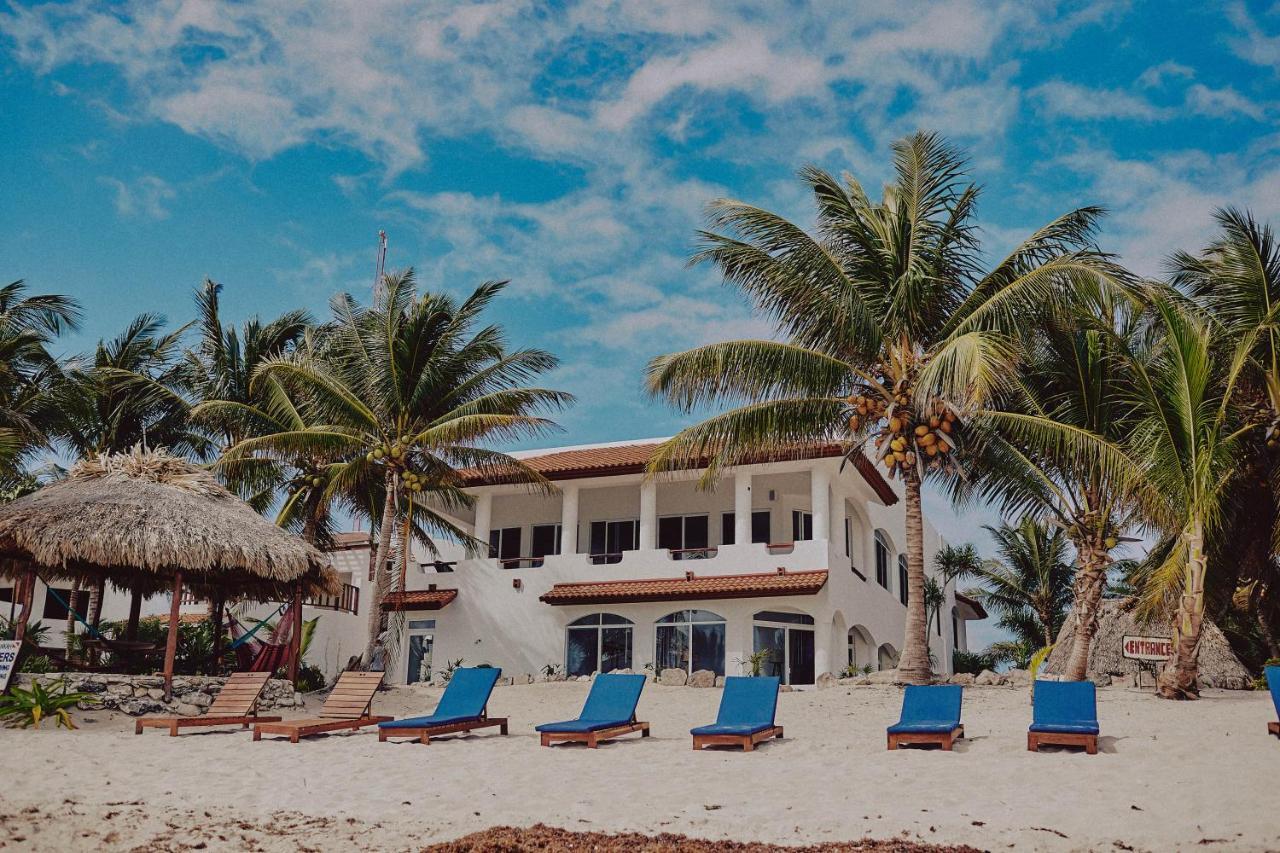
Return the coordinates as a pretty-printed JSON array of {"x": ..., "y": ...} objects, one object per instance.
[{"x": 572, "y": 147}]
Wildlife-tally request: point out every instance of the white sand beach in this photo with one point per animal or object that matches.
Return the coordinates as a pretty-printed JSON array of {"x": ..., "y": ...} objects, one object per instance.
[{"x": 1169, "y": 776}]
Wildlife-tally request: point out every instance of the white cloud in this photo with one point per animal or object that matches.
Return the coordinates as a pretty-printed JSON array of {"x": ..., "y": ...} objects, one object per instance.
[
  {"x": 1070, "y": 100},
  {"x": 1252, "y": 44},
  {"x": 145, "y": 196}
]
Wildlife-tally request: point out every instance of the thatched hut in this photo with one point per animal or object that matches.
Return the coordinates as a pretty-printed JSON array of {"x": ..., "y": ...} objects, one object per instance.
[
  {"x": 150, "y": 522},
  {"x": 1219, "y": 666}
]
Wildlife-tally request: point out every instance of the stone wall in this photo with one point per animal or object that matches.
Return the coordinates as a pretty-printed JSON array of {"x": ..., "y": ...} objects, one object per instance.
[{"x": 136, "y": 695}]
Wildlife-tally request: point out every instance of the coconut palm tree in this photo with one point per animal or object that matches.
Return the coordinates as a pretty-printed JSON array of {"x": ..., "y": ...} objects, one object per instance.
[
  {"x": 1188, "y": 440},
  {"x": 402, "y": 396},
  {"x": 1050, "y": 447},
  {"x": 894, "y": 332}
]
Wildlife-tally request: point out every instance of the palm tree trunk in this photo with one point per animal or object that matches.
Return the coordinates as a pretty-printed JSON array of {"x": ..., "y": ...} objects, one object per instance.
[
  {"x": 378, "y": 588},
  {"x": 1091, "y": 580},
  {"x": 1179, "y": 676},
  {"x": 71, "y": 613},
  {"x": 913, "y": 665},
  {"x": 94, "y": 616}
]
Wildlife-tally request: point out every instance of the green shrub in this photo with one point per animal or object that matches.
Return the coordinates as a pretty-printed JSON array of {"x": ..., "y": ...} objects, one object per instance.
[
  {"x": 971, "y": 662},
  {"x": 310, "y": 679},
  {"x": 37, "y": 664},
  {"x": 24, "y": 708}
]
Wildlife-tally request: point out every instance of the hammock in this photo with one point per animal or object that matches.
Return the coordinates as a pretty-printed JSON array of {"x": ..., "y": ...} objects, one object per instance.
[
  {"x": 125, "y": 647},
  {"x": 255, "y": 655}
]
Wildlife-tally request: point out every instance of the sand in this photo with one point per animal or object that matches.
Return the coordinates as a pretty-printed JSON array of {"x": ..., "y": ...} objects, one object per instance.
[{"x": 1169, "y": 776}]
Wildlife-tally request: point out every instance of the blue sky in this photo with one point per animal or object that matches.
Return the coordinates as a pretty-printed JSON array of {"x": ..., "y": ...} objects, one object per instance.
[{"x": 571, "y": 148}]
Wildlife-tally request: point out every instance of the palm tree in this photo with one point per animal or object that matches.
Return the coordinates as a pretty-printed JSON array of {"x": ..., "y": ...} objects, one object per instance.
[
  {"x": 895, "y": 332},
  {"x": 1050, "y": 447},
  {"x": 1189, "y": 445},
  {"x": 402, "y": 396},
  {"x": 1028, "y": 584}
]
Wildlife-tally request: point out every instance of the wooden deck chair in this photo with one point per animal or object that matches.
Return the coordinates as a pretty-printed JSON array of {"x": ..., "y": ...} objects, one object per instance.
[
  {"x": 610, "y": 711},
  {"x": 1273, "y": 682},
  {"x": 235, "y": 704},
  {"x": 746, "y": 716},
  {"x": 348, "y": 706},
  {"x": 1064, "y": 713},
  {"x": 462, "y": 708},
  {"x": 930, "y": 715}
]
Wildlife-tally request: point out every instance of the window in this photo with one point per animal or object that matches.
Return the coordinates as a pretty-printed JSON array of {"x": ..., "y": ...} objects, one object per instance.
[
  {"x": 690, "y": 640},
  {"x": 801, "y": 525},
  {"x": 882, "y": 559},
  {"x": 610, "y": 538},
  {"x": 56, "y": 610},
  {"x": 848, "y": 536},
  {"x": 902, "y": 578},
  {"x": 955, "y": 629},
  {"x": 788, "y": 638},
  {"x": 686, "y": 535},
  {"x": 600, "y": 642},
  {"x": 759, "y": 528},
  {"x": 504, "y": 545},
  {"x": 544, "y": 541}
]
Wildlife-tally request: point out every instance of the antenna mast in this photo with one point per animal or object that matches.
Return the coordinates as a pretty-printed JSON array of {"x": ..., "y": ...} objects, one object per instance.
[{"x": 380, "y": 268}]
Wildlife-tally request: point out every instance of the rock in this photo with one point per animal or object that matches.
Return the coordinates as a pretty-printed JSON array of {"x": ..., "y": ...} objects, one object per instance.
[
  {"x": 826, "y": 681},
  {"x": 719, "y": 681},
  {"x": 584, "y": 678},
  {"x": 186, "y": 709},
  {"x": 524, "y": 678},
  {"x": 623, "y": 671},
  {"x": 138, "y": 707},
  {"x": 961, "y": 678},
  {"x": 786, "y": 688},
  {"x": 1017, "y": 676},
  {"x": 200, "y": 700},
  {"x": 155, "y": 693},
  {"x": 987, "y": 678},
  {"x": 674, "y": 678},
  {"x": 884, "y": 676},
  {"x": 862, "y": 682},
  {"x": 702, "y": 678},
  {"x": 120, "y": 689},
  {"x": 1121, "y": 681}
]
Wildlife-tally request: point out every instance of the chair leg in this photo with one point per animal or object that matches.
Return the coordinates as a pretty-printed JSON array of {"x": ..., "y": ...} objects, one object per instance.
[
  {"x": 425, "y": 740},
  {"x": 293, "y": 737},
  {"x": 1033, "y": 742},
  {"x": 592, "y": 741},
  {"x": 257, "y": 735},
  {"x": 137, "y": 727},
  {"x": 503, "y": 728},
  {"x": 173, "y": 729},
  {"x": 1091, "y": 746},
  {"x": 747, "y": 744},
  {"x": 545, "y": 740}
]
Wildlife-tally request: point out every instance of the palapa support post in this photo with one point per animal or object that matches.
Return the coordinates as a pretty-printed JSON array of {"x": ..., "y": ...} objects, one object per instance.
[
  {"x": 135, "y": 614},
  {"x": 25, "y": 602},
  {"x": 216, "y": 607},
  {"x": 295, "y": 639},
  {"x": 171, "y": 643}
]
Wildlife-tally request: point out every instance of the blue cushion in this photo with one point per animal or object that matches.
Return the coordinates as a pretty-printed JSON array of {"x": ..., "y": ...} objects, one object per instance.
[
  {"x": 426, "y": 722},
  {"x": 1068, "y": 707},
  {"x": 581, "y": 725},
  {"x": 464, "y": 699},
  {"x": 730, "y": 729},
  {"x": 611, "y": 702},
  {"x": 1273, "y": 681},
  {"x": 929, "y": 708}
]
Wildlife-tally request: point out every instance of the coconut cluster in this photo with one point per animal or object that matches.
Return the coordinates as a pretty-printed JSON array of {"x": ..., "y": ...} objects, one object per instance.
[
  {"x": 907, "y": 438},
  {"x": 397, "y": 454}
]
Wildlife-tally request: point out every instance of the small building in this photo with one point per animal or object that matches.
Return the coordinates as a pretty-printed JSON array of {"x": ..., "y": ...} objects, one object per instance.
[{"x": 801, "y": 557}]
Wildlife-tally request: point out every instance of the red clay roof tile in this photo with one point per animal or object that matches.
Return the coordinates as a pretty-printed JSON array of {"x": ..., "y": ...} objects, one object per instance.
[
  {"x": 687, "y": 588},
  {"x": 419, "y": 599}
]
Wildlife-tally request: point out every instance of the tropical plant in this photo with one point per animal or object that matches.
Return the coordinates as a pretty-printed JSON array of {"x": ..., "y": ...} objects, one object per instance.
[
  {"x": 310, "y": 679},
  {"x": 753, "y": 664},
  {"x": 28, "y": 708},
  {"x": 971, "y": 662},
  {"x": 895, "y": 334},
  {"x": 403, "y": 395},
  {"x": 1188, "y": 442},
  {"x": 1016, "y": 653}
]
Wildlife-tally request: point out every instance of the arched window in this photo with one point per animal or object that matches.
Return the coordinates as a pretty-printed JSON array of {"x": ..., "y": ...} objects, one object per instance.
[
  {"x": 883, "y": 550},
  {"x": 862, "y": 649},
  {"x": 600, "y": 642},
  {"x": 690, "y": 640},
  {"x": 788, "y": 641},
  {"x": 887, "y": 657},
  {"x": 902, "y": 578}
]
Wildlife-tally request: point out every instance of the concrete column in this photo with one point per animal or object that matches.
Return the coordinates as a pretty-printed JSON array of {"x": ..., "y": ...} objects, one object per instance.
[
  {"x": 820, "y": 502},
  {"x": 569, "y": 519},
  {"x": 741, "y": 507},
  {"x": 484, "y": 519},
  {"x": 648, "y": 515},
  {"x": 821, "y": 652}
]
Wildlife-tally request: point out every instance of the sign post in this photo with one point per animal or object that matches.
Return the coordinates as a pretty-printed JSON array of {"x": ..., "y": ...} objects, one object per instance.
[
  {"x": 8, "y": 659},
  {"x": 1148, "y": 652}
]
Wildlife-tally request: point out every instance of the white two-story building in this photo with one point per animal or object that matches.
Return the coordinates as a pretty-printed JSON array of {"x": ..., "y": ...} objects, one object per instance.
[{"x": 801, "y": 559}]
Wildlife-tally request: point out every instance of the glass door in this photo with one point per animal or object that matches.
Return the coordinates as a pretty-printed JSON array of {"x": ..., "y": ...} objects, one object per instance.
[{"x": 421, "y": 640}]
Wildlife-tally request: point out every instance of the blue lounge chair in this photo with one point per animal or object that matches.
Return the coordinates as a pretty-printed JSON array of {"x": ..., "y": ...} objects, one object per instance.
[
  {"x": 929, "y": 715},
  {"x": 747, "y": 709},
  {"x": 463, "y": 707},
  {"x": 610, "y": 711},
  {"x": 1065, "y": 713},
  {"x": 1273, "y": 681}
]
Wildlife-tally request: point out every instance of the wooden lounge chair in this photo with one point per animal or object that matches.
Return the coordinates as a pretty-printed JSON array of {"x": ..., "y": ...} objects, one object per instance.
[
  {"x": 610, "y": 712},
  {"x": 747, "y": 709},
  {"x": 930, "y": 715},
  {"x": 463, "y": 707},
  {"x": 235, "y": 704},
  {"x": 1273, "y": 682},
  {"x": 347, "y": 707},
  {"x": 1065, "y": 713}
]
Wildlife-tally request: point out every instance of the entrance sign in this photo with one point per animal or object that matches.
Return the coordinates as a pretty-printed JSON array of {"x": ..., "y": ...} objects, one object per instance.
[
  {"x": 8, "y": 657},
  {"x": 1147, "y": 648}
]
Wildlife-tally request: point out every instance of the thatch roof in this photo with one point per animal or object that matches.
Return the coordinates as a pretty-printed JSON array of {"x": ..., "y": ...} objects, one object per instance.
[
  {"x": 1219, "y": 666},
  {"x": 136, "y": 517}
]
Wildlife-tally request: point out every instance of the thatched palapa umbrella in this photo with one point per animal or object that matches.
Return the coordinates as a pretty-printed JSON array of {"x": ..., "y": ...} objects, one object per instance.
[{"x": 148, "y": 521}]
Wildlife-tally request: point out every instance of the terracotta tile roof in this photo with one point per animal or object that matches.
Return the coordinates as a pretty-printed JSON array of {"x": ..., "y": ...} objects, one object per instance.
[
  {"x": 632, "y": 459},
  {"x": 688, "y": 587},
  {"x": 419, "y": 599},
  {"x": 972, "y": 603},
  {"x": 354, "y": 539}
]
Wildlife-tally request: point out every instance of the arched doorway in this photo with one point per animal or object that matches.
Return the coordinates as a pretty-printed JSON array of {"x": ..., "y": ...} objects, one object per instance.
[
  {"x": 600, "y": 642},
  {"x": 861, "y": 648},
  {"x": 788, "y": 640},
  {"x": 690, "y": 640},
  {"x": 887, "y": 657}
]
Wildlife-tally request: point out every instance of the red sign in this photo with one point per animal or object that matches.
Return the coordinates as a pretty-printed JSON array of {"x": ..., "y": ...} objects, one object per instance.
[{"x": 1147, "y": 648}]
